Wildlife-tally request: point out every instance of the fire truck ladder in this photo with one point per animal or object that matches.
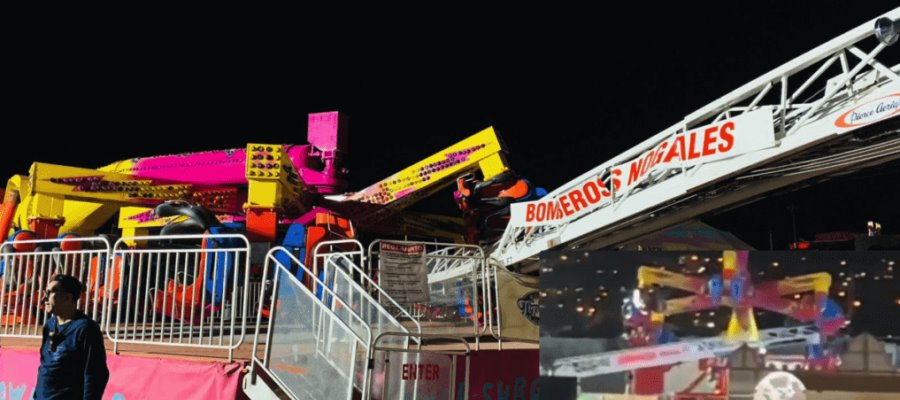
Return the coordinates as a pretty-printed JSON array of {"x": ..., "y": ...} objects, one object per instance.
[
  {"x": 837, "y": 116},
  {"x": 585, "y": 366}
]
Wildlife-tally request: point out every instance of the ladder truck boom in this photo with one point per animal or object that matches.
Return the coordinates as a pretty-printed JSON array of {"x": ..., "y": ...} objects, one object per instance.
[
  {"x": 589, "y": 365},
  {"x": 830, "y": 111}
]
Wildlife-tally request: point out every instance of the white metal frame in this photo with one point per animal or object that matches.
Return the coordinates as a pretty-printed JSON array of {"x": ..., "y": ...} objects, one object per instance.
[
  {"x": 138, "y": 264},
  {"x": 454, "y": 354},
  {"x": 21, "y": 269},
  {"x": 799, "y": 126},
  {"x": 448, "y": 261},
  {"x": 589, "y": 365},
  {"x": 326, "y": 316},
  {"x": 367, "y": 285}
]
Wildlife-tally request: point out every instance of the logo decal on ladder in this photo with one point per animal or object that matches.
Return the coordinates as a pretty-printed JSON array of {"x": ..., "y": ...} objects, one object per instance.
[{"x": 872, "y": 111}]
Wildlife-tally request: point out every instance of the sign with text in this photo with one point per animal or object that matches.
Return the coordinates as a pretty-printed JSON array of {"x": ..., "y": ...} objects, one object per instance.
[
  {"x": 493, "y": 375},
  {"x": 725, "y": 139},
  {"x": 403, "y": 272},
  {"x": 869, "y": 112},
  {"x": 419, "y": 376}
]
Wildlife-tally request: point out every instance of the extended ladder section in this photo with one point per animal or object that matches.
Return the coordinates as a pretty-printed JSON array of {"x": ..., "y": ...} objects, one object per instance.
[
  {"x": 667, "y": 354},
  {"x": 453, "y": 262},
  {"x": 833, "y": 111}
]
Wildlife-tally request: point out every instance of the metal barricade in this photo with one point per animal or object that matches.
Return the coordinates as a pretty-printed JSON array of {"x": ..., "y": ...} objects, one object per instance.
[
  {"x": 455, "y": 284},
  {"x": 26, "y": 268},
  {"x": 341, "y": 270},
  {"x": 419, "y": 373},
  {"x": 181, "y": 290}
]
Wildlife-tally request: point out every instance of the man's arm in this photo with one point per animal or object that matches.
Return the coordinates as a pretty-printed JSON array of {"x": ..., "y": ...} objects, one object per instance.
[{"x": 95, "y": 372}]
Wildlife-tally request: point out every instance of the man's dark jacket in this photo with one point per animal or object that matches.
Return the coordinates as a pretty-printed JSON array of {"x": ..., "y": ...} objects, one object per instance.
[{"x": 73, "y": 361}]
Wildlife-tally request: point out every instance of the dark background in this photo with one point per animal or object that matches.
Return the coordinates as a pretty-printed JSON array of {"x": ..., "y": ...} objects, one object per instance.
[{"x": 566, "y": 89}]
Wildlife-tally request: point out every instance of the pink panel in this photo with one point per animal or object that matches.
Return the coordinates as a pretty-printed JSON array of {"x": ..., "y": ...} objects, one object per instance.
[
  {"x": 507, "y": 374},
  {"x": 326, "y": 131},
  {"x": 219, "y": 167},
  {"x": 131, "y": 377}
]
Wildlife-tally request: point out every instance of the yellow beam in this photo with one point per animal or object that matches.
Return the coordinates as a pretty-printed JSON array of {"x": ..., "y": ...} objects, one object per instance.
[
  {"x": 91, "y": 184},
  {"x": 85, "y": 217},
  {"x": 273, "y": 181},
  {"x": 482, "y": 150}
]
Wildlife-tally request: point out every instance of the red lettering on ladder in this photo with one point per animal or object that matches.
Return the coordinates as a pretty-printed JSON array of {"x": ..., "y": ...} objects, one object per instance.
[{"x": 725, "y": 134}]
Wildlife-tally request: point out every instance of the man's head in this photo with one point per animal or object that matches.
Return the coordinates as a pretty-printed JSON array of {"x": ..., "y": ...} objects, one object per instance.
[{"x": 62, "y": 294}]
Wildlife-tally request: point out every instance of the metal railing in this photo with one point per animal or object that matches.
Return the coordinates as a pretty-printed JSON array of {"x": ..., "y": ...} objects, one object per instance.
[
  {"x": 455, "y": 284},
  {"x": 191, "y": 291},
  {"x": 437, "y": 368},
  {"x": 26, "y": 268},
  {"x": 342, "y": 270},
  {"x": 452, "y": 261},
  {"x": 310, "y": 343}
]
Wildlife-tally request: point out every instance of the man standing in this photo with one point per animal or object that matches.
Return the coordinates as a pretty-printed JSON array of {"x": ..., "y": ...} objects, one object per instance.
[{"x": 73, "y": 359}]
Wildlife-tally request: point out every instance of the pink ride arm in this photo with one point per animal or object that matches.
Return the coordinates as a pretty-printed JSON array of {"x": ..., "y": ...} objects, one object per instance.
[
  {"x": 818, "y": 282},
  {"x": 318, "y": 163},
  {"x": 217, "y": 167}
]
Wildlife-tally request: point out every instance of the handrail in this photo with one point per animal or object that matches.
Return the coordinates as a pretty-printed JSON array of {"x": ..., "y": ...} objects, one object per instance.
[
  {"x": 366, "y": 343},
  {"x": 365, "y": 276}
]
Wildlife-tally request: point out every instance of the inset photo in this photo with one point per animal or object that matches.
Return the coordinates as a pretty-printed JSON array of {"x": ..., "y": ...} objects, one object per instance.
[{"x": 720, "y": 324}]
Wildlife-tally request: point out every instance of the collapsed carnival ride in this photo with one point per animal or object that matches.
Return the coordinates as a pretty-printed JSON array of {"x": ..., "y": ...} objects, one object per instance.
[
  {"x": 655, "y": 340},
  {"x": 200, "y": 230},
  {"x": 735, "y": 289}
]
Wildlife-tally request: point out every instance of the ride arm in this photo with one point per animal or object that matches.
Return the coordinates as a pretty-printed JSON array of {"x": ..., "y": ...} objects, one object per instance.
[
  {"x": 774, "y": 304},
  {"x": 62, "y": 198},
  {"x": 389, "y": 196},
  {"x": 687, "y": 304},
  {"x": 648, "y": 276},
  {"x": 770, "y": 295}
]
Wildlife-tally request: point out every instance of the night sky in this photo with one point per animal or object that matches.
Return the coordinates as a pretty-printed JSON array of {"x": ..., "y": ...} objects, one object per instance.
[{"x": 567, "y": 90}]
